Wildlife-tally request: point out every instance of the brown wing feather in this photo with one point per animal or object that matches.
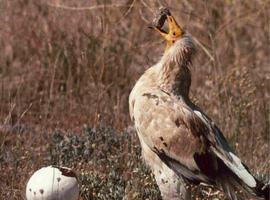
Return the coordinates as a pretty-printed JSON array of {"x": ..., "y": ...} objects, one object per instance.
[{"x": 168, "y": 128}]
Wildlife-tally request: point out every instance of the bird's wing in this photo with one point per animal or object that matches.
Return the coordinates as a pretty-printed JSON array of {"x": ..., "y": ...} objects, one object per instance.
[
  {"x": 184, "y": 138},
  {"x": 220, "y": 147},
  {"x": 170, "y": 130}
]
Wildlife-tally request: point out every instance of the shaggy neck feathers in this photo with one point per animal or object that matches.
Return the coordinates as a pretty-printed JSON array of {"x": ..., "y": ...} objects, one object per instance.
[{"x": 174, "y": 74}]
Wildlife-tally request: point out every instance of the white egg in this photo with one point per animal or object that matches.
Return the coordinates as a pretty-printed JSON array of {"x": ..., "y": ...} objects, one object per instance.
[{"x": 53, "y": 183}]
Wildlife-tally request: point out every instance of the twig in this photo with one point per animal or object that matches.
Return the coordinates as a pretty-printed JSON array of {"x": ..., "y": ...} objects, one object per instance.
[
  {"x": 148, "y": 7},
  {"x": 204, "y": 49},
  {"x": 96, "y": 7},
  {"x": 7, "y": 119},
  {"x": 129, "y": 9},
  {"x": 237, "y": 19},
  {"x": 127, "y": 12},
  {"x": 24, "y": 112},
  {"x": 142, "y": 17}
]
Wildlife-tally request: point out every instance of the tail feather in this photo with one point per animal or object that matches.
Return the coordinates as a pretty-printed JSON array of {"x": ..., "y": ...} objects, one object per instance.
[
  {"x": 261, "y": 191},
  {"x": 265, "y": 191},
  {"x": 228, "y": 188},
  {"x": 230, "y": 182}
]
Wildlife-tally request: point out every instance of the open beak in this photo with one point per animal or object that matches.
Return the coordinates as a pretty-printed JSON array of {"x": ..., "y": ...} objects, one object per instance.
[{"x": 174, "y": 33}]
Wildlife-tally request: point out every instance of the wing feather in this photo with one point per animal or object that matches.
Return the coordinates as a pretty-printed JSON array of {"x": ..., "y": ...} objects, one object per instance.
[
  {"x": 184, "y": 137},
  {"x": 172, "y": 131}
]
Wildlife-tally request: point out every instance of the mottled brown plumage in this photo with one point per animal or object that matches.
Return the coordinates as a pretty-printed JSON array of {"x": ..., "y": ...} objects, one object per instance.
[{"x": 179, "y": 142}]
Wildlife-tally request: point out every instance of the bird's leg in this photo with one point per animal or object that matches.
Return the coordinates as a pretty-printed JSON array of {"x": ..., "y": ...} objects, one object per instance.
[
  {"x": 184, "y": 190},
  {"x": 170, "y": 185}
]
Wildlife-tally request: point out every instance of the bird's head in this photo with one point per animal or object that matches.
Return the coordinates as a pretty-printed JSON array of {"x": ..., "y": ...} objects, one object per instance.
[{"x": 174, "y": 33}]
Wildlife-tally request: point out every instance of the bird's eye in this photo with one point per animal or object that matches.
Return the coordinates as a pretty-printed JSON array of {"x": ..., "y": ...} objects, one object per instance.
[
  {"x": 173, "y": 33},
  {"x": 173, "y": 41}
]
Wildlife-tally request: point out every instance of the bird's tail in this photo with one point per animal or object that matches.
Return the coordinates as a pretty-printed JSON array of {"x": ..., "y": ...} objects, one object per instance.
[
  {"x": 229, "y": 186},
  {"x": 236, "y": 188},
  {"x": 266, "y": 191}
]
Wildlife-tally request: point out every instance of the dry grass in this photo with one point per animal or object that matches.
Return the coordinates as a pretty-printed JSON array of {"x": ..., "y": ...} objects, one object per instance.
[{"x": 66, "y": 69}]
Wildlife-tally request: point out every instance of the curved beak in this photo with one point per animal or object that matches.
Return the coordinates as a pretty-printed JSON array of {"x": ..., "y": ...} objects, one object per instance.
[{"x": 175, "y": 32}]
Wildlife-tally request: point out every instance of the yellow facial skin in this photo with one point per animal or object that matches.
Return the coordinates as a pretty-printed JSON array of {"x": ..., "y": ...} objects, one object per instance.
[{"x": 175, "y": 32}]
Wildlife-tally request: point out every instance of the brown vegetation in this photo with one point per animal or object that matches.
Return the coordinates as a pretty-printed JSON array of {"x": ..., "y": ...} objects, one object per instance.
[{"x": 66, "y": 65}]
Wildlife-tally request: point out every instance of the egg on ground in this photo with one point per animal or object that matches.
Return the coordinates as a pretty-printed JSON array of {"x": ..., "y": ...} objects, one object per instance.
[{"x": 51, "y": 183}]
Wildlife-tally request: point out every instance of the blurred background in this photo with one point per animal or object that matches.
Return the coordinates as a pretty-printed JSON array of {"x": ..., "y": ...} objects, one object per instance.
[{"x": 68, "y": 66}]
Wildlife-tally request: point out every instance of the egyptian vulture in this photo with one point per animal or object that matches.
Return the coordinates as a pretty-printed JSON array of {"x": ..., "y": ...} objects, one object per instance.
[{"x": 180, "y": 143}]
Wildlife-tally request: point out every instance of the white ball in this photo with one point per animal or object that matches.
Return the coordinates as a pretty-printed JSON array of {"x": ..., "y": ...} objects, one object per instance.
[{"x": 51, "y": 183}]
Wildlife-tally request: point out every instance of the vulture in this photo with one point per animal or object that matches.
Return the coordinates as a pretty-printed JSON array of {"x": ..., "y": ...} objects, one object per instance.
[{"x": 180, "y": 143}]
